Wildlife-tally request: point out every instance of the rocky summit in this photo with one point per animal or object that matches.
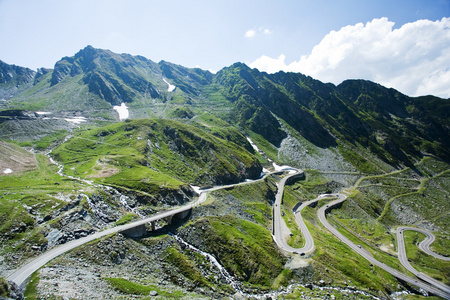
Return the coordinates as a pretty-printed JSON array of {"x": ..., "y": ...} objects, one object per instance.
[{"x": 123, "y": 178}]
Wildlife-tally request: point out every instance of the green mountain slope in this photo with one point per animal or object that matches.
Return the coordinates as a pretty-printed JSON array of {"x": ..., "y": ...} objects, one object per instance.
[
  {"x": 147, "y": 155},
  {"x": 187, "y": 126},
  {"x": 359, "y": 114}
]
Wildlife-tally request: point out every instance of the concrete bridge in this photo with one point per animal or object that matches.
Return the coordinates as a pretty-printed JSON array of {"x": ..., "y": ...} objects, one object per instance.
[{"x": 141, "y": 230}]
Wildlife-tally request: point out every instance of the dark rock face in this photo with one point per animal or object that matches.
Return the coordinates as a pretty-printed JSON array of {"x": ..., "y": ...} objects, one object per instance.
[
  {"x": 14, "y": 79},
  {"x": 15, "y": 74},
  {"x": 110, "y": 76},
  {"x": 62, "y": 69},
  {"x": 40, "y": 74}
]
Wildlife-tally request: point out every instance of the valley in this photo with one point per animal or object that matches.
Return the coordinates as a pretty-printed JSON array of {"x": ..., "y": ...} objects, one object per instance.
[{"x": 131, "y": 178}]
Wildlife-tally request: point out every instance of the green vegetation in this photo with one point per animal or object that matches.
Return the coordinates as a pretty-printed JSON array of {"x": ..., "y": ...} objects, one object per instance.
[
  {"x": 46, "y": 142},
  {"x": 31, "y": 288},
  {"x": 127, "y": 219},
  {"x": 283, "y": 279},
  {"x": 244, "y": 248},
  {"x": 375, "y": 129},
  {"x": 4, "y": 290},
  {"x": 387, "y": 201},
  {"x": 423, "y": 262},
  {"x": 185, "y": 266},
  {"x": 255, "y": 198},
  {"x": 149, "y": 155},
  {"x": 442, "y": 244},
  {"x": 337, "y": 263},
  {"x": 313, "y": 185},
  {"x": 291, "y": 199},
  {"x": 334, "y": 261},
  {"x": 134, "y": 288},
  {"x": 25, "y": 195},
  {"x": 181, "y": 113},
  {"x": 360, "y": 162}
]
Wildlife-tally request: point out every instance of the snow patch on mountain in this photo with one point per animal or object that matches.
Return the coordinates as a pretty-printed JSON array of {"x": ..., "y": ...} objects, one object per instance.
[
  {"x": 171, "y": 87},
  {"x": 122, "y": 110},
  {"x": 76, "y": 120},
  {"x": 253, "y": 145}
]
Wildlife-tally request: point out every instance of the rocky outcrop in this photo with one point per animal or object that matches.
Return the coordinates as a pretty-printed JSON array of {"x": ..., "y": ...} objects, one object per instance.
[{"x": 107, "y": 75}]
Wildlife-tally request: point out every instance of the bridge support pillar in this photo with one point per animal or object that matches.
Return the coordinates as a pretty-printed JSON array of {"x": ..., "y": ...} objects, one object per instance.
[
  {"x": 153, "y": 225},
  {"x": 136, "y": 231}
]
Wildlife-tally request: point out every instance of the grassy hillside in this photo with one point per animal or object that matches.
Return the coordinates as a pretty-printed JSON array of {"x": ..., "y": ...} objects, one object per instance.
[
  {"x": 390, "y": 151},
  {"x": 149, "y": 155}
]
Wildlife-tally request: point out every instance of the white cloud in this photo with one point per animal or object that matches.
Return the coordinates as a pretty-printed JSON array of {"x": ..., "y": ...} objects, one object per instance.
[
  {"x": 415, "y": 59},
  {"x": 266, "y": 31},
  {"x": 250, "y": 33}
]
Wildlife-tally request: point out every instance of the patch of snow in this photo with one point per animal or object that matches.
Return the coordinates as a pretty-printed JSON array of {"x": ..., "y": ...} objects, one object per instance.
[
  {"x": 253, "y": 144},
  {"x": 265, "y": 170},
  {"x": 197, "y": 189},
  {"x": 122, "y": 110},
  {"x": 283, "y": 168},
  {"x": 44, "y": 113},
  {"x": 171, "y": 87},
  {"x": 8, "y": 171},
  {"x": 76, "y": 120}
]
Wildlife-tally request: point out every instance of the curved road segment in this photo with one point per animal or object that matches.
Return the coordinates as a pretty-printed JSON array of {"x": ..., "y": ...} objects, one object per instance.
[
  {"x": 404, "y": 259},
  {"x": 425, "y": 244},
  {"x": 21, "y": 275},
  {"x": 280, "y": 229},
  {"x": 444, "y": 293}
]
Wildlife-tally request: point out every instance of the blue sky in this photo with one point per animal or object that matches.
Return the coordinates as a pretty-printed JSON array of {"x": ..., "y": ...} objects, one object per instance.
[{"x": 268, "y": 35}]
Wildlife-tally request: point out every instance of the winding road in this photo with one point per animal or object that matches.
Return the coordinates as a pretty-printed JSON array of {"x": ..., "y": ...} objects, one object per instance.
[
  {"x": 432, "y": 286},
  {"x": 404, "y": 259},
  {"x": 425, "y": 244},
  {"x": 21, "y": 275},
  {"x": 280, "y": 229},
  {"x": 280, "y": 232}
]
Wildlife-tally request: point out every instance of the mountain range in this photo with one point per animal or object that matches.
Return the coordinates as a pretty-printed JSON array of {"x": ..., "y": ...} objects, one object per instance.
[
  {"x": 396, "y": 128},
  {"x": 187, "y": 129}
]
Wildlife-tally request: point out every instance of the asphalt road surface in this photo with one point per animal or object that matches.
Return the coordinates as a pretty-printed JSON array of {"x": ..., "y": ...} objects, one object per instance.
[
  {"x": 431, "y": 288},
  {"x": 21, "y": 275},
  {"x": 280, "y": 233},
  {"x": 404, "y": 259}
]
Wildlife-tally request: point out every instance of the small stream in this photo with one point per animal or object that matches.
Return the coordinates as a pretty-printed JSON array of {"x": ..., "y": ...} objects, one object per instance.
[
  {"x": 122, "y": 199},
  {"x": 237, "y": 286},
  {"x": 223, "y": 272},
  {"x": 232, "y": 281}
]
